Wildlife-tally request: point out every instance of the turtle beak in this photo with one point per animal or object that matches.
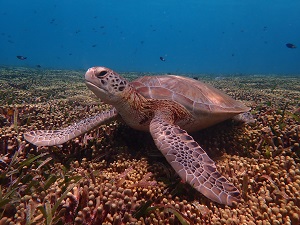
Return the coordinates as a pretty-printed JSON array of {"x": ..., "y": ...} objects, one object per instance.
[
  {"x": 90, "y": 75},
  {"x": 90, "y": 78},
  {"x": 93, "y": 74},
  {"x": 92, "y": 82}
]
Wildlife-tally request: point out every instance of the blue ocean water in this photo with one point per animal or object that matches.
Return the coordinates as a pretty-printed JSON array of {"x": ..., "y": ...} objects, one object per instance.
[{"x": 190, "y": 36}]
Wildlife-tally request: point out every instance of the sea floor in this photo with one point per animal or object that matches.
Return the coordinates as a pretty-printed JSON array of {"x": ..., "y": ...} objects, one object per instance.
[{"x": 115, "y": 175}]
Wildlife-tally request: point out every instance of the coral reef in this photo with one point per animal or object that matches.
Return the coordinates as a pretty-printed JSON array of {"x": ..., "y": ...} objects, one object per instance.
[{"x": 115, "y": 175}]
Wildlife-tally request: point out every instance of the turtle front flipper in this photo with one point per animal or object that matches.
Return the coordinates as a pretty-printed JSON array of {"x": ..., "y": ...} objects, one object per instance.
[
  {"x": 57, "y": 137},
  {"x": 190, "y": 161}
]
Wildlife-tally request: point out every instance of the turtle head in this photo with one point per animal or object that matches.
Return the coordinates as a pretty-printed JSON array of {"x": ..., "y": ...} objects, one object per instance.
[{"x": 106, "y": 84}]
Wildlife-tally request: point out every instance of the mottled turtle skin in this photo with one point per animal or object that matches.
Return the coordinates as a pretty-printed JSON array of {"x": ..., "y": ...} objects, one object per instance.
[{"x": 168, "y": 107}]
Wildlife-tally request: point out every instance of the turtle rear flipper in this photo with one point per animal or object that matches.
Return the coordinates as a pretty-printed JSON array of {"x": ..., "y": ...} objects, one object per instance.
[
  {"x": 190, "y": 161},
  {"x": 57, "y": 137},
  {"x": 245, "y": 117}
]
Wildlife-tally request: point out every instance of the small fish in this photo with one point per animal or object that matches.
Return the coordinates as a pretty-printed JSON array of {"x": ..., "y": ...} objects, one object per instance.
[
  {"x": 21, "y": 57},
  {"x": 289, "y": 45},
  {"x": 38, "y": 66},
  {"x": 162, "y": 58}
]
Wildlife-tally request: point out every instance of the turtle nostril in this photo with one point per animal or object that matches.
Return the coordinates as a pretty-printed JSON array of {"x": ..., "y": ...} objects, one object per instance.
[{"x": 101, "y": 74}]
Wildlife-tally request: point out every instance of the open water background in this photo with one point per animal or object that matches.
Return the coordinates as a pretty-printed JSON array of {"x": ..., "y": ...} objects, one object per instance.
[{"x": 192, "y": 36}]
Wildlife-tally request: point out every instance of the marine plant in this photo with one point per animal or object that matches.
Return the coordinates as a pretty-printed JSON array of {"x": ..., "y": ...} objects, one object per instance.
[
  {"x": 164, "y": 209},
  {"x": 17, "y": 184},
  {"x": 13, "y": 175},
  {"x": 15, "y": 120}
]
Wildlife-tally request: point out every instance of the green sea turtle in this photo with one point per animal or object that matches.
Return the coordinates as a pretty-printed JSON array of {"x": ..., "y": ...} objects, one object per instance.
[{"x": 168, "y": 107}]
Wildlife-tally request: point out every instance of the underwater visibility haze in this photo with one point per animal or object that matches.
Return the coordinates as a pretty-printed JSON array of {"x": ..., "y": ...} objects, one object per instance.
[{"x": 192, "y": 36}]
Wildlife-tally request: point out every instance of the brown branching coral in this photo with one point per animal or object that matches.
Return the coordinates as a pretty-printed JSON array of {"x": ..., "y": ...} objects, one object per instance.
[{"x": 98, "y": 178}]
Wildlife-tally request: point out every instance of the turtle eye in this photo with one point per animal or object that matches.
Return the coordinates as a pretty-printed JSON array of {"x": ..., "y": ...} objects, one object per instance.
[{"x": 101, "y": 74}]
